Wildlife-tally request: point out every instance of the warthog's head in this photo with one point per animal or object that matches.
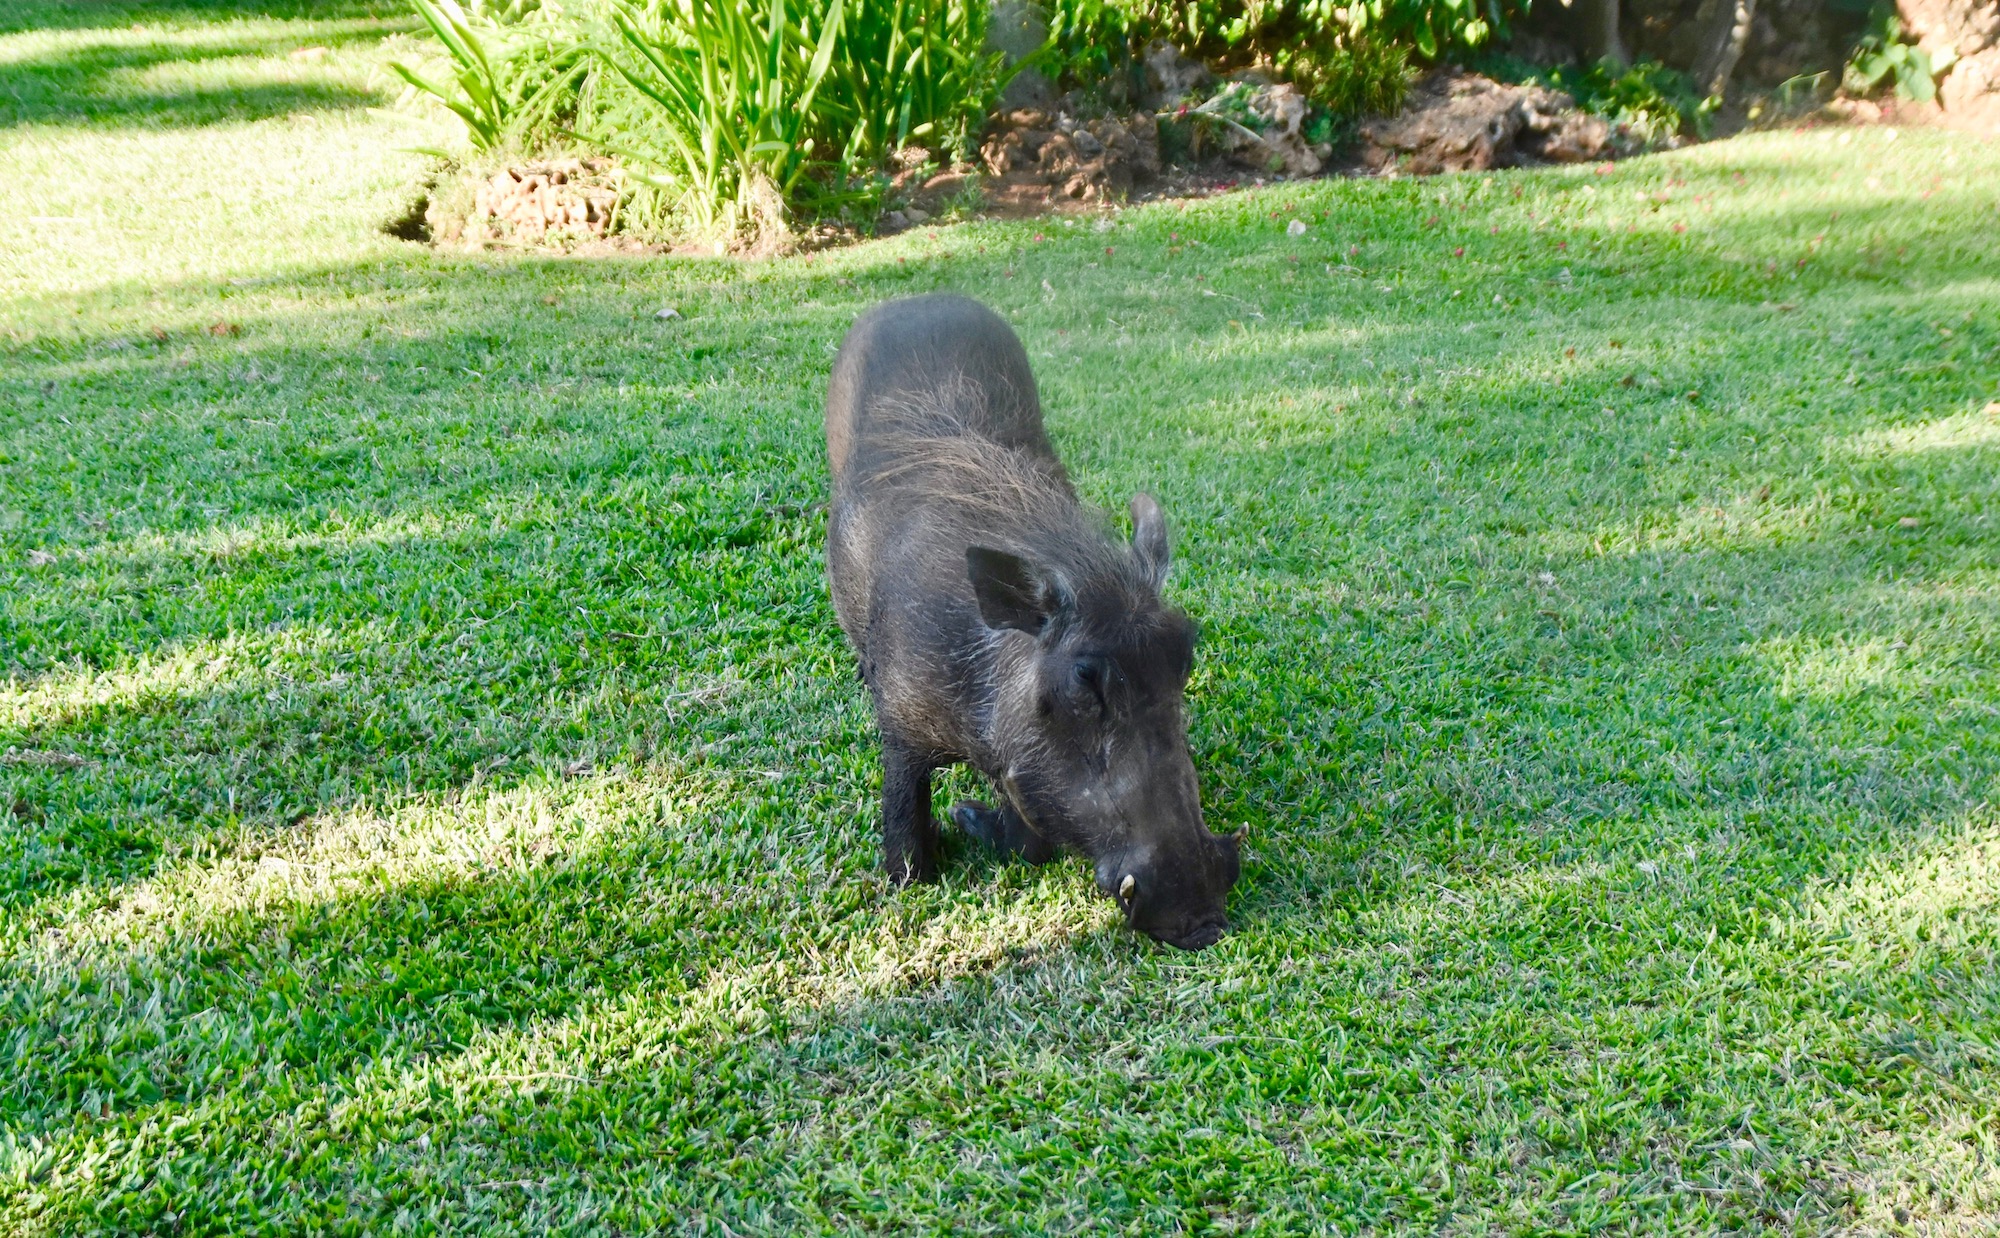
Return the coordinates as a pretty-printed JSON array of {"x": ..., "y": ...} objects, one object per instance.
[{"x": 1090, "y": 719}]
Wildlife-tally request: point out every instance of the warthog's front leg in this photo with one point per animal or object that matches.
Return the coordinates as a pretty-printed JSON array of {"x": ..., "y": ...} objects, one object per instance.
[
  {"x": 1004, "y": 830},
  {"x": 909, "y": 836}
]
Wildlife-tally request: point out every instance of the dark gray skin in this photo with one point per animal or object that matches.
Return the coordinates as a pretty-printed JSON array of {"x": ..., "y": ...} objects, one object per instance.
[{"x": 1000, "y": 625}]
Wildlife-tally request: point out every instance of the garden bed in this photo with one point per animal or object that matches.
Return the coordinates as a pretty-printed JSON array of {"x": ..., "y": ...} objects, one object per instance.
[{"x": 1035, "y": 162}]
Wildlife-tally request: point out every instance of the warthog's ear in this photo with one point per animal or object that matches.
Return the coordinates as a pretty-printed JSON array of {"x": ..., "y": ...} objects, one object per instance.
[
  {"x": 1231, "y": 847},
  {"x": 1149, "y": 538},
  {"x": 1012, "y": 593}
]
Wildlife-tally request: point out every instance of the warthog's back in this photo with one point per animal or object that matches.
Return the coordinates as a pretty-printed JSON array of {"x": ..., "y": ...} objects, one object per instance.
[{"x": 903, "y": 354}]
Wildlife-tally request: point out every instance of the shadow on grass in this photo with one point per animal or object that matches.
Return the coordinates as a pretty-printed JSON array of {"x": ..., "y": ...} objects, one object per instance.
[
  {"x": 104, "y": 83},
  {"x": 115, "y": 14}
]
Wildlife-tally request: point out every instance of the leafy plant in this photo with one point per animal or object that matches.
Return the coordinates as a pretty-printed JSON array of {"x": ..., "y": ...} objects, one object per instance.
[
  {"x": 1434, "y": 28},
  {"x": 512, "y": 76},
  {"x": 1883, "y": 56},
  {"x": 732, "y": 93},
  {"x": 912, "y": 69}
]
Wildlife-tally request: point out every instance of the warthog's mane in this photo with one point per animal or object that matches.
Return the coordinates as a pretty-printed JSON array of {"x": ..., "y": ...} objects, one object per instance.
[{"x": 934, "y": 447}]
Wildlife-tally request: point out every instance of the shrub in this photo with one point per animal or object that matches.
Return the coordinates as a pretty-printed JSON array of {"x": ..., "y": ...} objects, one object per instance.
[
  {"x": 1349, "y": 56},
  {"x": 1347, "y": 76},
  {"x": 1647, "y": 101},
  {"x": 1435, "y": 28}
]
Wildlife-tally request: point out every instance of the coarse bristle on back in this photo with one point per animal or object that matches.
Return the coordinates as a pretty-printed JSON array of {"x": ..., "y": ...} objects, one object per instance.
[{"x": 928, "y": 450}]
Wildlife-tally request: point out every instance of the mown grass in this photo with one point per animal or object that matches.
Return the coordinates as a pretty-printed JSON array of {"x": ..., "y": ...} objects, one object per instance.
[{"x": 441, "y": 801}]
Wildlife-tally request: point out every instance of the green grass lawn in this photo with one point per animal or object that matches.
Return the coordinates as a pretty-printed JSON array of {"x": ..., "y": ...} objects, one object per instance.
[{"x": 437, "y": 796}]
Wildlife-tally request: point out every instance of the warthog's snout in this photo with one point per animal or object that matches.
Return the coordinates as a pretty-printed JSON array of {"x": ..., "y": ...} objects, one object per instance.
[{"x": 1199, "y": 936}]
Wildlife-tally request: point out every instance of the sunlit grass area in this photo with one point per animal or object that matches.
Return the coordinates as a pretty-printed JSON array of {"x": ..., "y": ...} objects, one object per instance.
[{"x": 437, "y": 796}]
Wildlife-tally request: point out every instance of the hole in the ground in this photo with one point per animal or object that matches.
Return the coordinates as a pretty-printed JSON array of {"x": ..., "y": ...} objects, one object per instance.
[{"x": 411, "y": 225}]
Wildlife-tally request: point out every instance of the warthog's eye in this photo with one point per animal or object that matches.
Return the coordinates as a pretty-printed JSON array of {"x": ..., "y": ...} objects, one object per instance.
[{"x": 1093, "y": 676}]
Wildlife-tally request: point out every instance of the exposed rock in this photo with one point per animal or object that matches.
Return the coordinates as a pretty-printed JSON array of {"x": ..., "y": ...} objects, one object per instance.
[
  {"x": 1963, "y": 27},
  {"x": 1965, "y": 36},
  {"x": 1536, "y": 47},
  {"x": 1454, "y": 121},
  {"x": 1855, "y": 111},
  {"x": 1970, "y": 92},
  {"x": 1787, "y": 38},
  {"x": 1792, "y": 38}
]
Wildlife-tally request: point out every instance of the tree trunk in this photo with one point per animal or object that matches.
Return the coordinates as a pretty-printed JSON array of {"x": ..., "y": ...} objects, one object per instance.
[
  {"x": 1596, "y": 26},
  {"x": 1718, "y": 61}
]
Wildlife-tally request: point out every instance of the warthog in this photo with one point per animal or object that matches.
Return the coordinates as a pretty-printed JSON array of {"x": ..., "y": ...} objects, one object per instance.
[{"x": 999, "y": 624}]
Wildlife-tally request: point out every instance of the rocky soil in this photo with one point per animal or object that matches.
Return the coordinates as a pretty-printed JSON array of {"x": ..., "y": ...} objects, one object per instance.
[
  {"x": 1034, "y": 160},
  {"x": 548, "y": 202},
  {"x": 1454, "y": 121}
]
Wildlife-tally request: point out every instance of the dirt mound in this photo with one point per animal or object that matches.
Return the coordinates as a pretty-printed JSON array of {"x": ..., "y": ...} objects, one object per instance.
[
  {"x": 1454, "y": 121},
  {"x": 1036, "y": 161},
  {"x": 529, "y": 205}
]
